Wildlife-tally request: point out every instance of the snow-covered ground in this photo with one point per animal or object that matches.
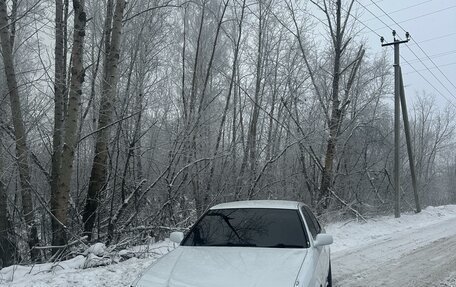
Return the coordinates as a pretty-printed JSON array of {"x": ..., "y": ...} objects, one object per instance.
[
  {"x": 352, "y": 234},
  {"x": 75, "y": 272},
  {"x": 414, "y": 250}
]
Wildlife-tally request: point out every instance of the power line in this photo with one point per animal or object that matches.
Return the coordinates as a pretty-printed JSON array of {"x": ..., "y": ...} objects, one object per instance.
[
  {"x": 361, "y": 22},
  {"x": 377, "y": 2},
  {"x": 386, "y": 14},
  {"x": 434, "y": 38},
  {"x": 366, "y": 26},
  {"x": 429, "y": 58},
  {"x": 423, "y": 70},
  {"x": 417, "y": 17},
  {"x": 443, "y": 54},
  {"x": 402, "y": 9},
  {"x": 318, "y": 19},
  {"x": 365, "y": 8},
  {"x": 409, "y": 7},
  {"x": 419, "y": 73},
  {"x": 432, "y": 61}
]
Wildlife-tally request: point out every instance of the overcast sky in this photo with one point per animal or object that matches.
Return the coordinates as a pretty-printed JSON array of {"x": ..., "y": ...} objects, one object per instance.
[{"x": 432, "y": 24}]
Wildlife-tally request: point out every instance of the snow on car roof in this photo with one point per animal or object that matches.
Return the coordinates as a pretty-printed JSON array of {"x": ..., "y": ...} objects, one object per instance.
[{"x": 279, "y": 204}]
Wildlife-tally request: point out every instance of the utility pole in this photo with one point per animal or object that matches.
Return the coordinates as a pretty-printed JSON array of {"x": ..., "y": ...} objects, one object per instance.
[
  {"x": 399, "y": 99},
  {"x": 409, "y": 145}
]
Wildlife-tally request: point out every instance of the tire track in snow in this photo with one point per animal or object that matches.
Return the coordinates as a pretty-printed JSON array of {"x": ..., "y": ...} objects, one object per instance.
[{"x": 417, "y": 257}]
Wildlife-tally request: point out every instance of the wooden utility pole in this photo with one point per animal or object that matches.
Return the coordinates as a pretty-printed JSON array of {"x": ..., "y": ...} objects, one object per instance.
[{"x": 399, "y": 99}]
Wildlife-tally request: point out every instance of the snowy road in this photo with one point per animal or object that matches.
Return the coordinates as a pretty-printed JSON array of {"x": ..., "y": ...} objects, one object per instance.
[{"x": 413, "y": 257}]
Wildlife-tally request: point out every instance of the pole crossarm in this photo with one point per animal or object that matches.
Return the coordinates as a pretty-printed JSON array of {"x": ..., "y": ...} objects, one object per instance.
[{"x": 395, "y": 42}]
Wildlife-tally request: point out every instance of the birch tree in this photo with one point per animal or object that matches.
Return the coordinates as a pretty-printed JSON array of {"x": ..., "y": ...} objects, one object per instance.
[{"x": 61, "y": 197}]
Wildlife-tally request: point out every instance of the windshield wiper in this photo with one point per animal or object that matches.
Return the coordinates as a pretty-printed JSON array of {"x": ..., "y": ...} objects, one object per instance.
[
  {"x": 230, "y": 244},
  {"x": 281, "y": 245}
]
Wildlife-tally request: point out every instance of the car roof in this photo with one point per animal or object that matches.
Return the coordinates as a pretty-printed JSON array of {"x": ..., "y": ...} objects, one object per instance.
[{"x": 273, "y": 204}]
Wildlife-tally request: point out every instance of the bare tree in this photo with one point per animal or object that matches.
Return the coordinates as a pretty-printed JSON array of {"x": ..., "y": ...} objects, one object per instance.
[
  {"x": 191, "y": 104},
  {"x": 433, "y": 131},
  {"x": 7, "y": 38},
  {"x": 59, "y": 100},
  {"x": 6, "y": 244},
  {"x": 338, "y": 26},
  {"x": 61, "y": 199},
  {"x": 250, "y": 157},
  {"x": 231, "y": 87},
  {"x": 113, "y": 30}
]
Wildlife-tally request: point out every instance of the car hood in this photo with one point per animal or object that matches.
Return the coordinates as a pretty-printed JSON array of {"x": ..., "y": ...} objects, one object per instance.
[{"x": 225, "y": 267}]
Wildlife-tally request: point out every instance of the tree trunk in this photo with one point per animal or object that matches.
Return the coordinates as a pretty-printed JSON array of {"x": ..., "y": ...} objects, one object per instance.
[
  {"x": 250, "y": 151},
  {"x": 6, "y": 245},
  {"x": 19, "y": 130},
  {"x": 337, "y": 116},
  {"x": 59, "y": 94},
  {"x": 333, "y": 124},
  {"x": 252, "y": 133},
  {"x": 191, "y": 125},
  {"x": 62, "y": 194},
  {"x": 98, "y": 176},
  {"x": 228, "y": 98}
]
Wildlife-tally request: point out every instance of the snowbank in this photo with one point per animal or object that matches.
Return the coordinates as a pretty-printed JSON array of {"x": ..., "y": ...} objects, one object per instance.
[
  {"x": 350, "y": 234},
  {"x": 79, "y": 272},
  {"x": 76, "y": 271}
]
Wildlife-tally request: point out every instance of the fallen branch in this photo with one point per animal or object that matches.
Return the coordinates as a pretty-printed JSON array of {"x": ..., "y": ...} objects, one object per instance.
[
  {"x": 60, "y": 246},
  {"x": 356, "y": 212},
  {"x": 148, "y": 228}
]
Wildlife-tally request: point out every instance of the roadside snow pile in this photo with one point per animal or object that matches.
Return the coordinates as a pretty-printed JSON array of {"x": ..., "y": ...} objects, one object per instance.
[
  {"x": 350, "y": 234},
  {"x": 121, "y": 268},
  {"x": 113, "y": 268},
  {"x": 18, "y": 273}
]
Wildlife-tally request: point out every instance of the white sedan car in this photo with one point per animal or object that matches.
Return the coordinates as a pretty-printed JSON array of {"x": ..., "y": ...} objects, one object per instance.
[{"x": 265, "y": 243}]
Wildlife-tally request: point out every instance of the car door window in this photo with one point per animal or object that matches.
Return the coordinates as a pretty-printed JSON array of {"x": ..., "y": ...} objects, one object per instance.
[
  {"x": 314, "y": 220},
  {"x": 309, "y": 221}
]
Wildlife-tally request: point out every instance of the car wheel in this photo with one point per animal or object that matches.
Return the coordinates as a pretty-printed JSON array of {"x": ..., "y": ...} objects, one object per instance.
[{"x": 329, "y": 278}]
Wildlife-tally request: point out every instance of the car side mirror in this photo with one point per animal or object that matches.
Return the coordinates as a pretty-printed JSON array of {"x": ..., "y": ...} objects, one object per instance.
[
  {"x": 323, "y": 239},
  {"x": 176, "y": 237}
]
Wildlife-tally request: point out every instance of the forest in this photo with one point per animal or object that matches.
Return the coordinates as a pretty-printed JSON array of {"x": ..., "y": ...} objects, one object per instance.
[{"x": 121, "y": 121}]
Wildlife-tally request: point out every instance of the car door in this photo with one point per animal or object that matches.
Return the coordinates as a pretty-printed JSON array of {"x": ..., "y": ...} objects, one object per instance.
[{"x": 320, "y": 254}]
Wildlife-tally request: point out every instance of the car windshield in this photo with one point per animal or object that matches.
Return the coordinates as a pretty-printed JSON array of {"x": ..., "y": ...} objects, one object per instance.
[{"x": 249, "y": 227}]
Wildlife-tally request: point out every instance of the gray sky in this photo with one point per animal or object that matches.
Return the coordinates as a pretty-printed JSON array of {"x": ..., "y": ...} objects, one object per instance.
[{"x": 432, "y": 24}]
